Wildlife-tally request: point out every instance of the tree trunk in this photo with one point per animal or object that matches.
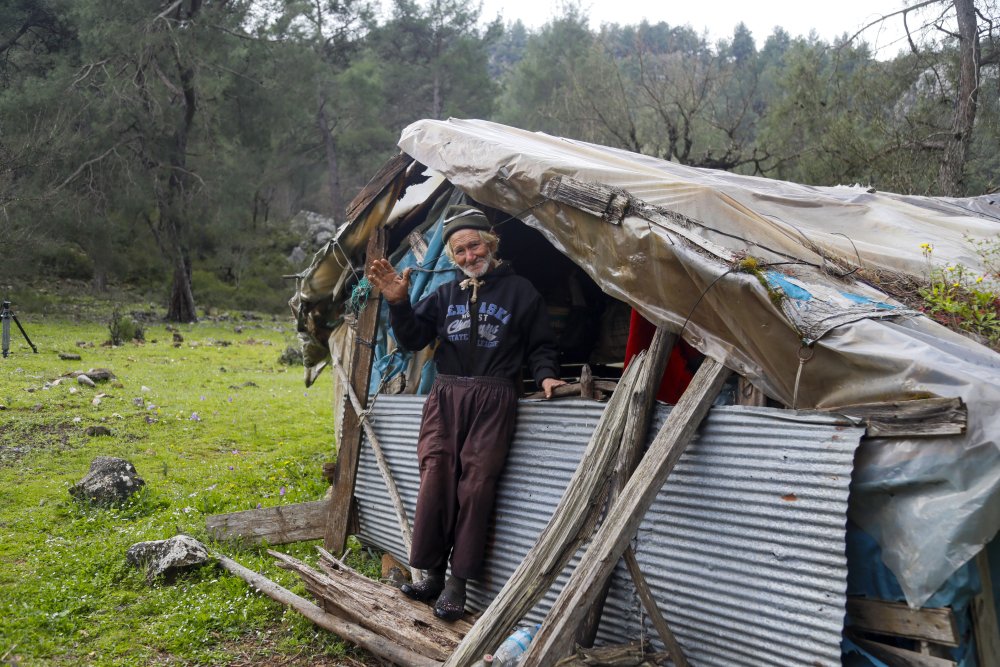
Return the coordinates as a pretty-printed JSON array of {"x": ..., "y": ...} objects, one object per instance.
[
  {"x": 182, "y": 308},
  {"x": 332, "y": 163},
  {"x": 951, "y": 172}
]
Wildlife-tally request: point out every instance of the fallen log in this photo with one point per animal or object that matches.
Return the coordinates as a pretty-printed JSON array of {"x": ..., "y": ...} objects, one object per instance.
[
  {"x": 377, "y": 607},
  {"x": 375, "y": 644}
]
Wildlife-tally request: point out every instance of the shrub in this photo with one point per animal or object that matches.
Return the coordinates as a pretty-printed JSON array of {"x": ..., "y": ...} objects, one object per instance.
[{"x": 962, "y": 300}]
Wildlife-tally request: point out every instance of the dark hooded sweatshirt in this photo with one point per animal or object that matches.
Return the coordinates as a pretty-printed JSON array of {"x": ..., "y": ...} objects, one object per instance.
[{"x": 513, "y": 328}]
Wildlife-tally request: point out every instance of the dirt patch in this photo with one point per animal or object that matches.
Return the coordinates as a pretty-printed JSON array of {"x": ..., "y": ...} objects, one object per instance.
[{"x": 17, "y": 440}]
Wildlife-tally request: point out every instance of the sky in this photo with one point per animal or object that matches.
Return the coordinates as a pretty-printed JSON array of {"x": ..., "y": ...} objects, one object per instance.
[{"x": 829, "y": 18}]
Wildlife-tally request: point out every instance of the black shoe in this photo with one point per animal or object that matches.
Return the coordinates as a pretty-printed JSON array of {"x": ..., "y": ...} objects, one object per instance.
[
  {"x": 450, "y": 606},
  {"x": 425, "y": 589}
]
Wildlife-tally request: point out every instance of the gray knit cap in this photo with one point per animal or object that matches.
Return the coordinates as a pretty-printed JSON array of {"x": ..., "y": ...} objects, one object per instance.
[{"x": 464, "y": 217}]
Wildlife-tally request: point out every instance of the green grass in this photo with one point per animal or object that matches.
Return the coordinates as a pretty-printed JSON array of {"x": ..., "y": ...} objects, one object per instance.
[{"x": 232, "y": 429}]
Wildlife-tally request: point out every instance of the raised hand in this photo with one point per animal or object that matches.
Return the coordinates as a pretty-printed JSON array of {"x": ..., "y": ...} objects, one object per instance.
[{"x": 394, "y": 287}]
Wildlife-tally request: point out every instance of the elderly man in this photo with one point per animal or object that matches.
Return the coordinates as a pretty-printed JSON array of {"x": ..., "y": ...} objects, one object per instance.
[{"x": 487, "y": 326}]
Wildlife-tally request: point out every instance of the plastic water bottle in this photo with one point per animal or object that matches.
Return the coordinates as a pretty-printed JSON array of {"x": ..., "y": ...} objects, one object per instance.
[{"x": 512, "y": 649}]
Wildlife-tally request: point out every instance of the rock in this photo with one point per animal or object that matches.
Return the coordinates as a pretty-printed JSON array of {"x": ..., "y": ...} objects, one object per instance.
[
  {"x": 67, "y": 356},
  {"x": 94, "y": 431},
  {"x": 85, "y": 381},
  {"x": 95, "y": 402},
  {"x": 109, "y": 482},
  {"x": 100, "y": 374},
  {"x": 291, "y": 355},
  {"x": 297, "y": 257},
  {"x": 178, "y": 338},
  {"x": 167, "y": 556},
  {"x": 144, "y": 388}
]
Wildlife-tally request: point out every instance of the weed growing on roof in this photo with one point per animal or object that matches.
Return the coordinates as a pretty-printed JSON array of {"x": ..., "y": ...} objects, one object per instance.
[
  {"x": 67, "y": 595},
  {"x": 962, "y": 300}
]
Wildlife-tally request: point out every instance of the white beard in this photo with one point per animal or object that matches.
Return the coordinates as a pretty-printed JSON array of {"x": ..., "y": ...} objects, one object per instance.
[{"x": 480, "y": 268}]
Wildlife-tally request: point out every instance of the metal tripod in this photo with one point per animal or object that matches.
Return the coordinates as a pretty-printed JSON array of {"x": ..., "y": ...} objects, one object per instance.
[{"x": 6, "y": 315}]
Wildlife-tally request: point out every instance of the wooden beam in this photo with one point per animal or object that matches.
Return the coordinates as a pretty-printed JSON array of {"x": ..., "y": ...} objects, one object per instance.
[
  {"x": 919, "y": 417},
  {"x": 282, "y": 524},
  {"x": 629, "y": 455},
  {"x": 378, "y": 607},
  {"x": 580, "y": 505},
  {"x": 555, "y": 638},
  {"x": 349, "y": 448},
  {"x": 371, "y": 642},
  {"x": 383, "y": 177},
  {"x": 984, "y": 615},
  {"x": 900, "y": 657},
  {"x": 900, "y": 620}
]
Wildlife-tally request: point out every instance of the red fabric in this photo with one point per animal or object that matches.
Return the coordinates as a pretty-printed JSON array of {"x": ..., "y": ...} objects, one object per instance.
[{"x": 681, "y": 366}]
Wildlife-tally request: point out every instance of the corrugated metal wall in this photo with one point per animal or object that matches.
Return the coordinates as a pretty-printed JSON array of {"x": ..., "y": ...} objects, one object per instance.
[{"x": 743, "y": 547}]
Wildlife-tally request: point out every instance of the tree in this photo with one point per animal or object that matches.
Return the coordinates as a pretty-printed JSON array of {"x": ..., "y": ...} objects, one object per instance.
[
  {"x": 435, "y": 61},
  {"x": 946, "y": 43}
]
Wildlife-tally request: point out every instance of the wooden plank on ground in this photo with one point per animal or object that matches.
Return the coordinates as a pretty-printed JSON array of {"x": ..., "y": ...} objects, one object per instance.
[
  {"x": 919, "y": 417},
  {"x": 378, "y": 645},
  {"x": 579, "y": 506},
  {"x": 378, "y": 607},
  {"x": 554, "y": 640},
  {"x": 900, "y": 620},
  {"x": 900, "y": 657},
  {"x": 389, "y": 171},
  {"x": 349, "y": 448},
  {"x": 282, "y": 524},
  {"x": 984, "y": 615}
]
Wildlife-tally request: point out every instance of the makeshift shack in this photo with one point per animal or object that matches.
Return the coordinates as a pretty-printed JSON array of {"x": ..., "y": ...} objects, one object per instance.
[{"x": 807, "y": 392}]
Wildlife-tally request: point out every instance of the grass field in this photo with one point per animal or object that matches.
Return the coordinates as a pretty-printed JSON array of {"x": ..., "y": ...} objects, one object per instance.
[{"x": 213, "y": 423}]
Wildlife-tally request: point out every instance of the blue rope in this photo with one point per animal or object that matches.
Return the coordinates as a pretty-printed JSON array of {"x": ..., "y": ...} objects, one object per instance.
[{"x": 359, "y": 296}]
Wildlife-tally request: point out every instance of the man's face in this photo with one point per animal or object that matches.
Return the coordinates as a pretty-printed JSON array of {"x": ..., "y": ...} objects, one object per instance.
[{"x": 472, "y": 256}]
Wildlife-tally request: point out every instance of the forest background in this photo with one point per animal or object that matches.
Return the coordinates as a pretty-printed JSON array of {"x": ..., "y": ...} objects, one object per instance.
[{"x": 165, "y": 147}]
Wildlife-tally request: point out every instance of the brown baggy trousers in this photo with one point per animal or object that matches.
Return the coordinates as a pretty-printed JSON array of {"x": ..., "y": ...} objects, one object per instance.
[{"x": 468, "y": 423}]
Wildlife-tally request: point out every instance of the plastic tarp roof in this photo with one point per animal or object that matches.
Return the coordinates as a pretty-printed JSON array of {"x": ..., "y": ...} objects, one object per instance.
[{"x": 798, "y": 323}]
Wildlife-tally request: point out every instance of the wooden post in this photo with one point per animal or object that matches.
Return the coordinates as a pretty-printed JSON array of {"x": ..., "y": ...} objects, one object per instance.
[
  {"x": 580, "y": 504},
  {"x": 349, "y": 448},
  {"x": 749, "y": 395},
  {"x": 629, "y": 455},
  {"x": 555, "y": 638}
]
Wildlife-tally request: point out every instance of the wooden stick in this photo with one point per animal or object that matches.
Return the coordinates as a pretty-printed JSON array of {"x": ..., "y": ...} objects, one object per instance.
[
  {"x": 383, "y": 465},
  {"x": 555, "y": 638},
  {"x": 371, "y": 642},
  {"x": 580, "y": 503},
  {"x": 281, "y": 524},
  {"x": 649, "y": 603}
]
